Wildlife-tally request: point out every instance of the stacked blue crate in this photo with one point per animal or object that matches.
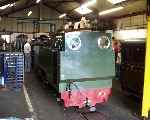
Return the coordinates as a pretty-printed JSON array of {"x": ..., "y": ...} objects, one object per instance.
[
  {"x": 1, "y": 70},
  {"x": 20, "y": 70},
  {"x": 14, "y": 70}
]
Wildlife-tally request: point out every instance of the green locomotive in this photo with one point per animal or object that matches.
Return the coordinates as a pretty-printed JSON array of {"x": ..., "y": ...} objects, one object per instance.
[{"x": 80, "y": 65}]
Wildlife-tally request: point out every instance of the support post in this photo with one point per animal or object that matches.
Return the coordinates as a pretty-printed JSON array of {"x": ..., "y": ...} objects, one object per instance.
[{"x": 146, "y": 90}]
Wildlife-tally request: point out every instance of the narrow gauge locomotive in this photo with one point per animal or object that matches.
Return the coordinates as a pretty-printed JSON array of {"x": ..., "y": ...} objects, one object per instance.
[{"x": 80, "y": 65}]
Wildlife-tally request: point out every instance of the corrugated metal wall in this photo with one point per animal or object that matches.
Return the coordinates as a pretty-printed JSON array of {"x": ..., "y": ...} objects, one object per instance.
[
  {"x": 11, "y": 24},
  {"x": 133, "y": 22},
  {"x": 131, "y": 28}
]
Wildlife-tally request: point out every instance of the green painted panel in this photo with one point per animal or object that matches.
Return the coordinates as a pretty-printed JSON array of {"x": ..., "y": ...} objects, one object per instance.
[
  {"x": 83, "y": 58},
  {"x": 83, "y": 61}
]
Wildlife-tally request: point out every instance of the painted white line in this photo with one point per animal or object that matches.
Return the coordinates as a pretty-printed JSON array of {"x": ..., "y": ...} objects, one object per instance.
[{"x": 30, "y": 107}]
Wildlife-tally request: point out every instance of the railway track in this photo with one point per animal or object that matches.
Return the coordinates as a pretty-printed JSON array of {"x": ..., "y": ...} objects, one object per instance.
[
  {"x": 94, "y": 116},
  {"x": 84, "y": 115}
]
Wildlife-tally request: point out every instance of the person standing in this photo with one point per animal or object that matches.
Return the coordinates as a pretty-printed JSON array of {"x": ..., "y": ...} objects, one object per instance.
[
  {"x": 116, "y": 45},
  {"x": 118, "y": 61},
  {"x": 27, "y": 53}
]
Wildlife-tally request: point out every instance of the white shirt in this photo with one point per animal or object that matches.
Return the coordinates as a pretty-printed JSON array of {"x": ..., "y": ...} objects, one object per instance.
[{"x": 27, "y": 48}]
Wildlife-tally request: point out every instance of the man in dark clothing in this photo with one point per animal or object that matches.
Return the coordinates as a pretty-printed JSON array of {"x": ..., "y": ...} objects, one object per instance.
[{"x": 116, "y": 45}]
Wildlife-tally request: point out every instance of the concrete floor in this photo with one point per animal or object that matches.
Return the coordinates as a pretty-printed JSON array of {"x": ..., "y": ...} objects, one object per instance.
[
  {"x": 119, "y": 106},
  {"x": 43, "y": 99},
  {"x": 13, "y": 104}
]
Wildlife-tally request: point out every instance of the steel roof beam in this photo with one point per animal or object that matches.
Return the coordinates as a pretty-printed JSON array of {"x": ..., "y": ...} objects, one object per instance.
[
  {"x": 58, "y": 1},
  {"x": 130, "y": 15},
  {"x": 12, "y": 10},
  {"x": 60, "y": 12},
  {"x": 7, "y": 2}
]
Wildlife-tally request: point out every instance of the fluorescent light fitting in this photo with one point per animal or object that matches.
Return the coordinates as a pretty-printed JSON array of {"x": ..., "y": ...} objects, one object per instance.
[
  {"x": 83, "y": 10},
  {"x": 37, "y": 1},
  {"x": 110, "y": 10},
  {"x": 6, "y": 6},
  {"x": 63, "y": 15},
  {"x": 89, "y": 3},
  {"x": 29, "y": 13},
  {"x": 116, "y": 1}
]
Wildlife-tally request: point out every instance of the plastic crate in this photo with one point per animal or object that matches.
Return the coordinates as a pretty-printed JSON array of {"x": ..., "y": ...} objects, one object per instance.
[{"x": 14, "y": 70}]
